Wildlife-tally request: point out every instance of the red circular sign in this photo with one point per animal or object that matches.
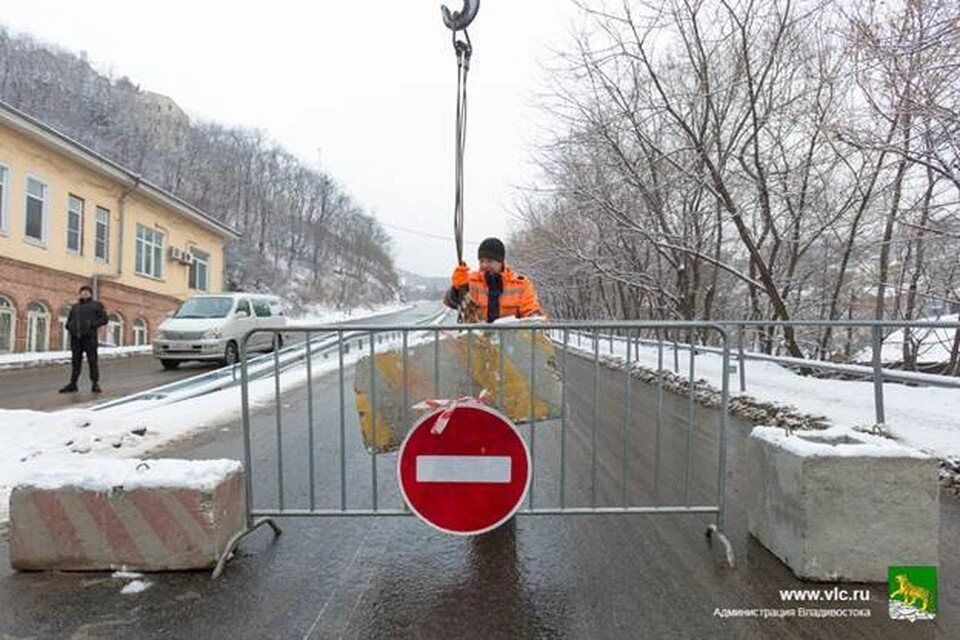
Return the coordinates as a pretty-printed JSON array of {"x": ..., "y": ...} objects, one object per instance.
[{"x": 471, "y": 477}]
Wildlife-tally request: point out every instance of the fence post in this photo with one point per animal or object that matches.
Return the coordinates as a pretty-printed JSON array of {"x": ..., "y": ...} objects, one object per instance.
[
  {"x": 741, "y": 360},
  {"x": 878, "y": 375}
]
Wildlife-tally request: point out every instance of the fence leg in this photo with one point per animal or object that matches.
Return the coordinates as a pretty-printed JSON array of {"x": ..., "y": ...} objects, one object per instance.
[
  {"x": 235, "y": 540},
  {"x": 713, "y": 531}
]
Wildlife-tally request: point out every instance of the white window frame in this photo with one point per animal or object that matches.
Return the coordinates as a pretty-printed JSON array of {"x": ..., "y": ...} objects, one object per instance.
[
  {"x": 114, "y": 327},
  {"x": 4, "y": 199},
  {"x": 97, "y": 223},
  {"x": 158, "y": 264},
  {"x": 140, "y": 332},
  {"x": 194, "y": 268},
  {"x": 33, "y": 318},
  {"x": 10, "y": 311},
  {"x": 64, "y": 334},
  {"x": 71, "y": 198},
  {"x": 44, "y": 211}
]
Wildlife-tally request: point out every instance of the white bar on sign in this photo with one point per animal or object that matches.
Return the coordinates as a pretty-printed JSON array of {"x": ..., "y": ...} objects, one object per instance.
[{"x": 493, "y": 469}]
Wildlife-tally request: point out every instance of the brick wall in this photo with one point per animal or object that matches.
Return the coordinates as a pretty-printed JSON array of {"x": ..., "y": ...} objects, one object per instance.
[{"x": 24, "y": 283}]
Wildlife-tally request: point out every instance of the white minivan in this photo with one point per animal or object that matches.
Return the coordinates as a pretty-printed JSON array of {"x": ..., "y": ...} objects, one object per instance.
[{"x": 212, "y": 326}]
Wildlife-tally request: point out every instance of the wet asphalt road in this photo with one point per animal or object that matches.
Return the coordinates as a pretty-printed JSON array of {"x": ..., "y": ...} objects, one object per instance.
[
  {"x": 551, "y": 577},
  {"x": 36, "y": 387}
]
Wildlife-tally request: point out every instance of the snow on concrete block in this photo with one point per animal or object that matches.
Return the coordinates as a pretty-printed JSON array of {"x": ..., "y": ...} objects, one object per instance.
[
  {"x": 152, "y": 515},
  {"x": 838, "y": 505}
]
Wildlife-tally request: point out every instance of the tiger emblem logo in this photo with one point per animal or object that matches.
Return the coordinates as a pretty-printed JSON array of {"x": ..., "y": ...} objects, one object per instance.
[{"x": 910, "y": 594}]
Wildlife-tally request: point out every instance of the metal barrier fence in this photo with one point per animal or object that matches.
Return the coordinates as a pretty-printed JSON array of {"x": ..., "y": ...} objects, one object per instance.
[
  {"x": 613, "y": 447},
  {"x": 876, "y": 372}
]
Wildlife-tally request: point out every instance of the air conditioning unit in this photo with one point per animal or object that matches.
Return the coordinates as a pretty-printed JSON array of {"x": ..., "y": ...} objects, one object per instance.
[
  {"x": 176, "y": 253},
  {"x": 186, "y": 258}
]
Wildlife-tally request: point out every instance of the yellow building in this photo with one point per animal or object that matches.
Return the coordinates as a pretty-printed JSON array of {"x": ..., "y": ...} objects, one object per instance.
[{"x": 68, "y": 217}]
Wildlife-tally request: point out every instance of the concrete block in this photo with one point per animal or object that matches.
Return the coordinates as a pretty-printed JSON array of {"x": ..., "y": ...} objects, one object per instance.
[
  {"x": 838, "y": 505},
  {"x": 153, "y": 515}
]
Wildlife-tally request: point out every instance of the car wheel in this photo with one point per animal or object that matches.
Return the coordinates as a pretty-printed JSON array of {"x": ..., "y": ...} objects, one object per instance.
[
  {"x": 231, "y": 355},
  {"x": 170, "y": 365}
]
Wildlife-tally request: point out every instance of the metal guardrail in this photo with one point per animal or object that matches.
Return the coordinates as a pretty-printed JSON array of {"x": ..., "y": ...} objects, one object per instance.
[
  {"x": 876, "y": 372},
  {"x": 228, "y": 376},
  {"x": 337, "y": 437}
]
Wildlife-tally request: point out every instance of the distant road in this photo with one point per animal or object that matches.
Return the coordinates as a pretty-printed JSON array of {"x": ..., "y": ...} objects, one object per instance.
[{"x": 36, "y": 387}]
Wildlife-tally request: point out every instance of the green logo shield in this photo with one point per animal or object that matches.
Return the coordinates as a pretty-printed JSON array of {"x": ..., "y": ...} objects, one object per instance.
[{"x": 913, "y": 593}]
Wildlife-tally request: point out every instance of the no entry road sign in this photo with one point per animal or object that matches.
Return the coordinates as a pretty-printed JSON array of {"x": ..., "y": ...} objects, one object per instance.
[{"x": 469, "y": 478}]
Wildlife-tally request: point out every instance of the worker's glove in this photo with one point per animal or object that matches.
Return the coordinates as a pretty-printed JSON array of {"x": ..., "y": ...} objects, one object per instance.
[{"x": 461, "y": 277}]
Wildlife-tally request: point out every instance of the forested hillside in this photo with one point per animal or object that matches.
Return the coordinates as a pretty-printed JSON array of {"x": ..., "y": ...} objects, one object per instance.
[{"x": 303, "y": 234}]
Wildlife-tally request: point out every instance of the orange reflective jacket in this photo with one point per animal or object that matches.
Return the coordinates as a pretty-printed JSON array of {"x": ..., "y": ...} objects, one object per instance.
[{"x": 518, "y": 298}]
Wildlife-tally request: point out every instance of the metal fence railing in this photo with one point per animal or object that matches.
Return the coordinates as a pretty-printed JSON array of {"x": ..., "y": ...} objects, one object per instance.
[
  {"x": 877, "y": 372},
  {"x": 321, "y": 439}
]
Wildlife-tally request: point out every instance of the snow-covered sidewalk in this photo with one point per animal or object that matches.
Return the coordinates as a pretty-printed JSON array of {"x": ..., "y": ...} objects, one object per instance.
[{"x": 36, "y": 359}]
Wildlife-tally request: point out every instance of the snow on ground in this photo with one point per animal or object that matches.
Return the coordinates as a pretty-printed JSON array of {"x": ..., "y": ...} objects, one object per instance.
[
  {"x": 135, "y": 587},
  {"x": 936, "y": 345},
  {"x": 319, "y": 314},
  {"x": 22, "y": 360},
  {"x": 927, "y": 418},
  {"x": 35, "y": 442}
]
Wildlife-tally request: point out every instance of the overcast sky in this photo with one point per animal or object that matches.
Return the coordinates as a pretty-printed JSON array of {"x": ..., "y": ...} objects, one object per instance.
[{"x": 366, "y": 90}]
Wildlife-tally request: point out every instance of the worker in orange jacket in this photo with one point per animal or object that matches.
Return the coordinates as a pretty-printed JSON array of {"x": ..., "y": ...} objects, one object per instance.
[{"x": 494, "y": 291}]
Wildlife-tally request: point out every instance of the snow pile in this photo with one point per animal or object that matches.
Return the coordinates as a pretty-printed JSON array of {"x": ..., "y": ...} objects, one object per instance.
[
  {"x": 123, "y": 574},
  {"x": 107, "y": 474},
  {"x": 22, "y": 360},
  {"x": 135, "y": 587},
  {"x": 835, "y": 442}
]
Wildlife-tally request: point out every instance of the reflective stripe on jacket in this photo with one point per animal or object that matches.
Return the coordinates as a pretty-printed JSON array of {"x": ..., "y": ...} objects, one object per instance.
[{"x": 518, "y": 299}]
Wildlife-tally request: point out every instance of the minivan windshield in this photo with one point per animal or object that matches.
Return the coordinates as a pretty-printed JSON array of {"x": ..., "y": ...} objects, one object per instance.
[{"x": 206, "y": 307}]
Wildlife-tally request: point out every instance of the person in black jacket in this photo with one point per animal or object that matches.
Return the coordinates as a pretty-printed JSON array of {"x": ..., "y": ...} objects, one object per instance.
[{"x": 85, "y": 319}]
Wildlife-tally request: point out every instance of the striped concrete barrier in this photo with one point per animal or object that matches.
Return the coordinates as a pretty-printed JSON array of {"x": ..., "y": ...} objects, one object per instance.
[{"x": 153, "y": 515}]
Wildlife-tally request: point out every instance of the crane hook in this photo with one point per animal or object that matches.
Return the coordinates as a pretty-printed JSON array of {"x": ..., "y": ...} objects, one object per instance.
[{"x": 460, "y": 20}]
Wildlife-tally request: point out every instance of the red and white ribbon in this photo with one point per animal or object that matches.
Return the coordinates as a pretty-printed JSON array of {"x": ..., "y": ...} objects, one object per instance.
[{"x": 449, "y": 406}]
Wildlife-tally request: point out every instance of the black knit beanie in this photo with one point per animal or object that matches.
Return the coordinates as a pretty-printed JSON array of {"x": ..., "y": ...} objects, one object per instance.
[{"x": 492, "y": 249}]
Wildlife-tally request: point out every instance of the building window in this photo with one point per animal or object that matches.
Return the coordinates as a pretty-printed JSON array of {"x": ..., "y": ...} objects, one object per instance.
[
  {"x": 75, "y": 225},
  {"x": 64, "y": 334},
  {"x": 8, "y": 324},
  {"x": 149, "y": 258},
  {"x": 115, "y": 330},
  {"x": 199, "y": 269},
  {"x": 35, "y": 225},
  {"x": 4, "y": 189},
  {"x": 101, "y": 239},
  {"x": 38, "y": 327},
  {"x": 139, "y": 332}
]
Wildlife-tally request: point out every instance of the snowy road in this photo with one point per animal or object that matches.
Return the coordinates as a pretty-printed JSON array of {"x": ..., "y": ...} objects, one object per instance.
[{"x": 561, "y": 577}]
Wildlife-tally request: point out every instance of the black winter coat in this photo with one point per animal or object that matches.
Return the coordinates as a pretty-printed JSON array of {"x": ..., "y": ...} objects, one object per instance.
[{"x": 85, "y": 318}]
